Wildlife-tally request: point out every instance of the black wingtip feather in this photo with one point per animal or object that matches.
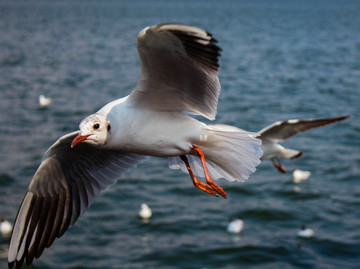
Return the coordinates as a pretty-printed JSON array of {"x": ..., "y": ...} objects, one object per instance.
[
  {"x": 27, "y": 219},
  {"x": 57, "y": 221},
  {"x": 11, "y": 265},
  {"x": 204, "y": 50},
  {"x": 35, "y": 219},
  {"x": 49, "y": 225},
  {"x": 20, "y": 262}
]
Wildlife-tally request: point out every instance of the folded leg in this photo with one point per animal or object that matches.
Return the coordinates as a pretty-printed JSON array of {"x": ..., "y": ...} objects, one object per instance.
[
  {"x": 197, "y": 183},
  {"x": 209, "y": 180},
  {"x": 278, "y": 165}
]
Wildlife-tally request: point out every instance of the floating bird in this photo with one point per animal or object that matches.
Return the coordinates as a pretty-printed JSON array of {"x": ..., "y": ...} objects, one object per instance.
[
  {"x": 179, "y": 77},
  {"x": 305, "y": 232},
  {"x": 281, "y": 130},
  {"x": 235, "y": 226},
  {"x": 5, "y": 227},
  {"x": 44, "y": 101},
  {"x": 145, "y": 211},
  {"x": 300, "y": 175}
]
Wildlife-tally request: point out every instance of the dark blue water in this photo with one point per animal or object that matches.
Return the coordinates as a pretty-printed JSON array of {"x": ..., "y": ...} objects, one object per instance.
[{"x": 280, "y": 60}]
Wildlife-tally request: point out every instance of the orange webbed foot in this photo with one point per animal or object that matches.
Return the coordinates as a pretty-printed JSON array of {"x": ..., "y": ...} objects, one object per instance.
[
  {"x": 206, "y": 188},
  {"x": 217, "y": 188},
  {"x": 209, "y": 179},
  {"x": 278, "y": 165}
]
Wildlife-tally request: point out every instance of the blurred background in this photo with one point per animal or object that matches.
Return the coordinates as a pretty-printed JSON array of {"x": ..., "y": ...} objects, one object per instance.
[{"x": 280, "y": 60}]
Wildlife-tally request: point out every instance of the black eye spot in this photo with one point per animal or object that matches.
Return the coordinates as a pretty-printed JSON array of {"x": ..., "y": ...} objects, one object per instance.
[
  {"x": 109, "y": 128},
  {"x": 96, "y": 126}
]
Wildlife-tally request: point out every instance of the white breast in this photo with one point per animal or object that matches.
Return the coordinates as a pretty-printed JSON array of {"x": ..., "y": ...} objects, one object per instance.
[{"x": 154, "y": 133}]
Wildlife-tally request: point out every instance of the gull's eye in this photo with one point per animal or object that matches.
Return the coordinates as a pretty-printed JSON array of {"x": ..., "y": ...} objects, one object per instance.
[{"x": 96, "y": 126}]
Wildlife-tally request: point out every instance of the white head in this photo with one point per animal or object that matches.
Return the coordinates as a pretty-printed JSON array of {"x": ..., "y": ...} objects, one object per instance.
[{"x": 94, "y": 130}]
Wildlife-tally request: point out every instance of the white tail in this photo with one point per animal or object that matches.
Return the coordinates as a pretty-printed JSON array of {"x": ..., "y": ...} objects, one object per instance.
[
  {"x": 290, "y": 153},
  {"x": 230, "y": 153}
]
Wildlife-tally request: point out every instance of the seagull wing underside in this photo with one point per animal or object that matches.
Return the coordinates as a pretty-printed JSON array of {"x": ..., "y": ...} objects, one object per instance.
[
  {"x": 179, "y": 70},
  {"x": 282, "y": 130},
  {"x": 62, "y": 188}
]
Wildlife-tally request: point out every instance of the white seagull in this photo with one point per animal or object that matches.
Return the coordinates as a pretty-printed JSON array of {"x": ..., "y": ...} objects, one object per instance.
[
  {"x": 179, "y": 77},
  {"x": 281, "y": 130},
  {"x": 5, "y": 227},
  {"x": 300, "y": 175},
  {"x": 305, "y": 232},
  {"x": 235, "y": 226},
  {"x": 44, "y": 101},
  {"x": 145, "y": 211}
]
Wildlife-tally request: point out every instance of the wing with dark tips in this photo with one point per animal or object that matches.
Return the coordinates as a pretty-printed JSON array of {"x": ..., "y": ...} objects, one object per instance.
[
  {"x": 179, "y": 70},
  {"x": 282, "y": 130},
  {"x": 64, "y": 185}
]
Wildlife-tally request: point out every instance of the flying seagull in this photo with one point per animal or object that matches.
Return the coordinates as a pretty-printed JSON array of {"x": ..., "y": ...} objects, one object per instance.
[
  {"x": 179, "y": 77},
  {"x": 281, "y": 130}
]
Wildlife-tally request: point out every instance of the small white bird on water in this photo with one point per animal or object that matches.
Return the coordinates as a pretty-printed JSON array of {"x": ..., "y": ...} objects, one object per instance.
[
  {"x": 5, "y": 227},
  {"x": 305, "y": 232},
  {"x": 179, "y": 77},
  {"x": 145, "y": 211},
  {"x": 300, "y": 175},
  {"x": 235, "y": 226},
  {"x": 44, "y": 101}
]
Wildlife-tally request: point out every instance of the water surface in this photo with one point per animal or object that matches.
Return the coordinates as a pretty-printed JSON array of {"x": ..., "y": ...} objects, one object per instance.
[{"x": 280, "y": 60}]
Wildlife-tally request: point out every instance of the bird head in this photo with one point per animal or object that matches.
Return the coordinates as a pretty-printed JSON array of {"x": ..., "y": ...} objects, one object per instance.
[{"x": 94, "y": 130}]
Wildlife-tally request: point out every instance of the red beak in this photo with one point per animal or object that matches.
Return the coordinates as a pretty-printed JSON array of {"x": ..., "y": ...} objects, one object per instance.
[{"x": 79, "y": 138}]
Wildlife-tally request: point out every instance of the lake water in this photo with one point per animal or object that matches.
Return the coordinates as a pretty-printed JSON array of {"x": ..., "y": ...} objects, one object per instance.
[{"x": 280, "y": 60}]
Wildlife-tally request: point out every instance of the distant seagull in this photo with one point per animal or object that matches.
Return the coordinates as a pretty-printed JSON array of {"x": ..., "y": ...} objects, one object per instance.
[
  {"x": 281, "y": 130},
  {"x": 305, "y": 232},
  {"x": 145, "y": 211},
  {"x": 300, "y": 175},
  {"x": 5, "y": 227},
  {"x": 179, "y": 78},
  {"x": 235, "y": 226},
  {"x": 44, "y": 101}
]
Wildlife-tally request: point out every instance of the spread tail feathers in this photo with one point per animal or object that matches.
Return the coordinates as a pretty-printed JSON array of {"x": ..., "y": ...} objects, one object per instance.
[{"x": 230, "y": 153}]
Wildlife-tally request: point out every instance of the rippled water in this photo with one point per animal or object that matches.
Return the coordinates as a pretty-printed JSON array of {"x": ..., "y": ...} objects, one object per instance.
[{"x": 280, "y": 60}]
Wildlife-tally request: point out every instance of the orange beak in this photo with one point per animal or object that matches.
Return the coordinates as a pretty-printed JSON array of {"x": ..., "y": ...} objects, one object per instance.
[{"x": 79, "y": 138}]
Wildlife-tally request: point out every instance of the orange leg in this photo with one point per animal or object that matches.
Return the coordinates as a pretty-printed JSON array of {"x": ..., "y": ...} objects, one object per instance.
[
  {"x": 197, "y": 183},
  {"x": 278, "y": 165},
  {"x": 209, "y": 180}
]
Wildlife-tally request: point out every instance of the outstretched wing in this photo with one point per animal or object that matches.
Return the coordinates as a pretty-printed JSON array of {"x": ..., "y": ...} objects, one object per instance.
[
  {"x": 179, "y": 70},
  {"x": 62, "y": 188},
  {"x": 282, "y": 130}
]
